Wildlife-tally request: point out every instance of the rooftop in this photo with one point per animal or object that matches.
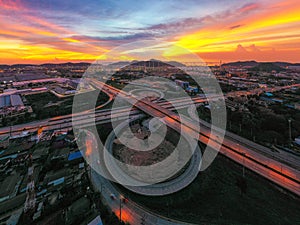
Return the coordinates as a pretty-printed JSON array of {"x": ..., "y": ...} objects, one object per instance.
[
  {"x": 74, "y": 155},
  {"x": 10, "y": 100},
  {"x": 7, "y": 186},
  {"x": 12, "y": 203}
]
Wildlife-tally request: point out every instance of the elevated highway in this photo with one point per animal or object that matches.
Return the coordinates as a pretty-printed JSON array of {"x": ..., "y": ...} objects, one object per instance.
[{"x": 248, "y": 154}]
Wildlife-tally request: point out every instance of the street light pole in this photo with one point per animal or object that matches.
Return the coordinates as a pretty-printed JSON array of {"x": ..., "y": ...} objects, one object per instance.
[
  {"x": 10, "y": 130},
  {"x": 290, "y": 131},
  {"x": 143, "y": 220},
  {"x": 244, "y": 164},
  {"x": 120, "y": 209}
]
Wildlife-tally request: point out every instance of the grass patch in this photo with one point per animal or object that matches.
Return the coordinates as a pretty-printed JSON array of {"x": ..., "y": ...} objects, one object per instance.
[
  {"x": 215, "y": 198},
  {"x": 46, "y": 105}
]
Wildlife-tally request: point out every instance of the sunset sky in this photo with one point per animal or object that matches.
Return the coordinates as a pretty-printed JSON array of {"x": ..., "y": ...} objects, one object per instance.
[{"x": 228, "y": 30}]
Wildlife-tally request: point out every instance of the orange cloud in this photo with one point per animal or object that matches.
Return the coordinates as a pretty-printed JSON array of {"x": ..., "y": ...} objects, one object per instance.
[
  {"x": 256, "y": 28},
  {"x": 27, "y": 38},
  {"x": 272, "y": 26}
]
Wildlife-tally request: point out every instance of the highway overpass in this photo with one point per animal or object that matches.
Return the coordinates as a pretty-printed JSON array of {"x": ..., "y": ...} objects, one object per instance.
[{"x": 248, "y": 154}]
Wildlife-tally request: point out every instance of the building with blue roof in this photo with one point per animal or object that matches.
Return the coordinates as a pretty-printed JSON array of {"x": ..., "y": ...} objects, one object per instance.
[
  {"x": 269, "y": 94},
  {"x": 74, "y": 155}
]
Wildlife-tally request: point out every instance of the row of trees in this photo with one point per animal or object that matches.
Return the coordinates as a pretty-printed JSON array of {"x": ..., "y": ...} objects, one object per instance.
[{"x": 264, "y": 125}]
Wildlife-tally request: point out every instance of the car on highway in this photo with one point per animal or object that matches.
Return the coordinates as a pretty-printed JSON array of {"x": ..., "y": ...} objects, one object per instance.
[{"x": 113, "y": 197}]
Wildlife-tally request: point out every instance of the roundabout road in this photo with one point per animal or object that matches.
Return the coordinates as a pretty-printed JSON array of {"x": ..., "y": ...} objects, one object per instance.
[
  {"x": 157, "y": 189},
  {"x": 136, "y": 92},
  {"x": 130, "y": 211}
]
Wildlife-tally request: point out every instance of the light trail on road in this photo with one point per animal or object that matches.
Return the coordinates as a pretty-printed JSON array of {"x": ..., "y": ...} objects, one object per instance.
[{"x": 285, "y": 177}]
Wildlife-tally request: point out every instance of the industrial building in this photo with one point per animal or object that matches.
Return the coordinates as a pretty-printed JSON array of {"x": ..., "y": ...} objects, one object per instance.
[{"x": 10, "y": 101}]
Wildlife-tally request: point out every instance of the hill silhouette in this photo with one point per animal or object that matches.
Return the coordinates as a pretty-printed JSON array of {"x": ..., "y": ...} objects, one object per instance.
[{"x": 267, "y": 67}]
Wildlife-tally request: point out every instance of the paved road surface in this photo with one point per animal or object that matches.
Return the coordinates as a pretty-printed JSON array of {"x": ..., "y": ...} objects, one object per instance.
[{"x": 131, "y": 212}]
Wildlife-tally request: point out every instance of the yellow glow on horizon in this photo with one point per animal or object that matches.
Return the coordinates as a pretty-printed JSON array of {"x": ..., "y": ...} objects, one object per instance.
[
  {"x": 45, "y": 52},
  {"x": 269, "y": 27},
  {"x": 9, "y": 44},
  {"x": 71, "y": 40},
  {"x": 278, "y": 24}
]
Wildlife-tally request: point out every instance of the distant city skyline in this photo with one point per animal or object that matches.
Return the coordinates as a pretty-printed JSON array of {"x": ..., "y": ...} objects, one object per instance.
[{"x": 38, "y": 32}]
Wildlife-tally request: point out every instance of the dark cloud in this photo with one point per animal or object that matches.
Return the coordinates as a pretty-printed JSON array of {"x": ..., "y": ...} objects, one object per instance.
[
  {"x": 130, "y": 37},
  {"x": 194, "y": 23},
  {"x": 235, "y": 26},
  {"x": 180, "y": 25}
]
